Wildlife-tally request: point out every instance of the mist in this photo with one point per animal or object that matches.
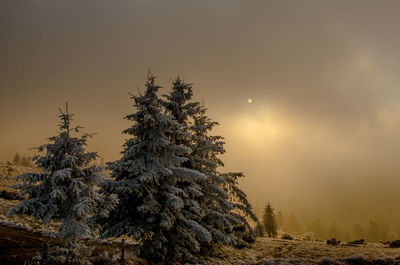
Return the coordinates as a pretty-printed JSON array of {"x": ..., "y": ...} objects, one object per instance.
[{"x": 321, "y": 136}]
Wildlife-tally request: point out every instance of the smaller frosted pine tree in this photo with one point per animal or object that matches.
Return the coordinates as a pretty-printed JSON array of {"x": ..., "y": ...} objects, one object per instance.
[
  {"x": 269, "y": 221},
  {"x": 64, "y": 187}
]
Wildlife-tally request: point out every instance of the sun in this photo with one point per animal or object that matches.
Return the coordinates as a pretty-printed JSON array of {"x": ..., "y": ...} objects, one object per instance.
[{"x": 250, "y": 100}]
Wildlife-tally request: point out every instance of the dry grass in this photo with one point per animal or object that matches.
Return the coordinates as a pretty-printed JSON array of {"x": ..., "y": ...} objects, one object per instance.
[
  {"x": 299, "y": 250},
  {"x": 19, "y": 244}
]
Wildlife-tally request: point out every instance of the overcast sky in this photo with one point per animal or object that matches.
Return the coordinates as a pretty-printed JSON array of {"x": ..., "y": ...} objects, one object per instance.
[{"x": 323, "y": 129}]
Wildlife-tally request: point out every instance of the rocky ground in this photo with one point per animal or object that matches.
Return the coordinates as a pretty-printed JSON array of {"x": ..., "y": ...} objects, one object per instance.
[{"x": 21, "y": 238}]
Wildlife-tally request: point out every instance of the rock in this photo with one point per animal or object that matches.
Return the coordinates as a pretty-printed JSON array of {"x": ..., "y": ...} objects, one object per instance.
[
  {"x": 394, "y": 244},
  {"x": 333, "y": 242},
  {"x": 287, "y": 237},
  {"x": 357, "y": 242}
]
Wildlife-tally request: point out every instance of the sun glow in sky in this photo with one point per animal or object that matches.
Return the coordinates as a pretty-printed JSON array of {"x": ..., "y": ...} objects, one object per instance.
[
  {"x": 258, "y": 130},
  {"x": 306, "y": 92}
]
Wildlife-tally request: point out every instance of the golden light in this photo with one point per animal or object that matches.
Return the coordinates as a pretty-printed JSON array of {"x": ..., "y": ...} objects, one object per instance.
[
  {"x": 250, "y": 100},
  {"x": 259, "y": 129}
]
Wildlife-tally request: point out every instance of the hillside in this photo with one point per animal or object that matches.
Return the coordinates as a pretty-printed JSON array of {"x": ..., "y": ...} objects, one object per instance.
[{"x": 21, "y": 238}]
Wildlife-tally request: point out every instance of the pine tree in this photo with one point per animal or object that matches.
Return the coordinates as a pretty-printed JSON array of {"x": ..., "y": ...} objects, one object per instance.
[
  {"x": 269, "y": 221},
  {"x": 242, "y": 207},
  {"x": 293, "y": 226},
  {"x": 225, "y": 204},
  {"x": 214, "y": 201},
  {"x": 17, "y": 159},
  {"x": 376, "y": 232},
  {"x": 317, "y": 226},
  {"x": 157, "y": 197},
  {"x": 358, "y": 232},
  {"x": 64, "y": 188},
  {"x": 280, "y": 220},
  {"x": 333, "y": 231}
]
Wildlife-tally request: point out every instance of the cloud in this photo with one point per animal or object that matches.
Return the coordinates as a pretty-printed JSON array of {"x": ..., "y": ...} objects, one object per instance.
[{"x": 323, "y": 76}]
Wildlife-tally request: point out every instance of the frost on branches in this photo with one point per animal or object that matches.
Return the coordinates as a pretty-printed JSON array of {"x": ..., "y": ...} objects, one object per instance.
[
  {"x": 172, "y": 199},
  {"x": 242, "y": 208},
  {"x": 215, "y": 201},
  {"x": 64, "y": 188},
  {"x": 158, "y": 199},
  {"x": 224, "y": 203}
]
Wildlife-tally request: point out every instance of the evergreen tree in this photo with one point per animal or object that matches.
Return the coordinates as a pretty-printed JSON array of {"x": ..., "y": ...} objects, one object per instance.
[
  {"x": 292, "y": 225},
  {"x": 346, "y": 236},
  {"x": 242, "y": 208},
  {"x": 158, "y": 198},
  {"x": 63, "y": 189},
  {"x": 269, "y": 221},
  {"x": 358, "y": 232},
  {"x": 376, "y": 232},
  {"x": 280, "y": 220},
  {"x": 318, "y": 227},
  {"x": 226, "y": 206},
  {"x": 17, "y": 159},
  {"x": 214, "y": 201},
  {"x": 333, "y": 231}
]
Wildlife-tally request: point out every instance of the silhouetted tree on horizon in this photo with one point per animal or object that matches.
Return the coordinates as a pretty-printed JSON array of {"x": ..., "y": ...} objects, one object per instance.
[
  {"x": 269, "y": 221},
  {"x": 17, "y": 159}
]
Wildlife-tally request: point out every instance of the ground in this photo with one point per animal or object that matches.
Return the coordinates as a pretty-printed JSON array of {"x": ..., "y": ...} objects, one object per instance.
[
  {"x": 18, "y": 245},
  {"x": 279, "y": 251},
  {"x": 21, "y": 238}
]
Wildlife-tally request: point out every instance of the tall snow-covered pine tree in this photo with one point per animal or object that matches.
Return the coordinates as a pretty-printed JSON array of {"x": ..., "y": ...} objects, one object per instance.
[
  {"x": 221, "y": 187},
  {"x": 203, "y": 158},
  {"x": 224, "y": 203},
  {"x": 157, "y": 196}
]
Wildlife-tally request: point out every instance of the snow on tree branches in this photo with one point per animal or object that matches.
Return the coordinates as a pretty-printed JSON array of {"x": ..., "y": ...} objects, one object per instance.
[
  {"x": 220, "y": 192},
  {"x": 64, "y": 187},
  {"x": 224, "y": 199},
  {"x": 166, "y": 191},
  {"x": 171, "y": 196},
  {"x": 157, "y": 197}
]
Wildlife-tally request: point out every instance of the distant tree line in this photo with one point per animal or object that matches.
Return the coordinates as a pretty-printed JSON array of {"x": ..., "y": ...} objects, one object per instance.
[
  {"x": 386, "y": 228},
  {"x": 273, "y": 222},
  {"x": 22, "y": 161},
  {"x": 372, "y": 231}
]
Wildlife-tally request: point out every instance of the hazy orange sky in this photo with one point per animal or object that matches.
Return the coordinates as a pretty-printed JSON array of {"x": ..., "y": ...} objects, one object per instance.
[{"x": 322, "y": 132}]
